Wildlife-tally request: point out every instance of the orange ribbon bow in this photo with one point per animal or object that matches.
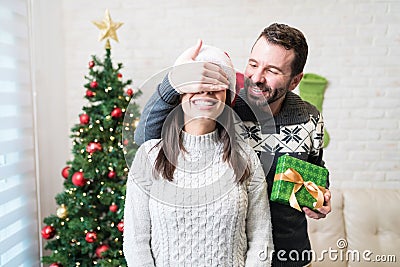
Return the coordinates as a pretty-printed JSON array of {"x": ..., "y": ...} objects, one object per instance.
[{"x": 317, "y": 192}]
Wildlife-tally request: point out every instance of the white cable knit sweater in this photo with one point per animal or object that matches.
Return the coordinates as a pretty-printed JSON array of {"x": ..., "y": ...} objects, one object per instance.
[{"x": 202, "y": 218}]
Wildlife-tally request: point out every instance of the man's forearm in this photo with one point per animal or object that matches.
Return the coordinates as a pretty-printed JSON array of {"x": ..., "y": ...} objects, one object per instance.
[{"x": 156, "y": 110}]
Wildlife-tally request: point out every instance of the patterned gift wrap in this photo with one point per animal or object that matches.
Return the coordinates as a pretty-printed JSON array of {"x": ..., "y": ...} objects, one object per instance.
[{"x": 305, "y": 172}]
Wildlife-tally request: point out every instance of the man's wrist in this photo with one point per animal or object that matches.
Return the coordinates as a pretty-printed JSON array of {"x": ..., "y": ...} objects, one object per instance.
[{"x": 167, "y": 92}]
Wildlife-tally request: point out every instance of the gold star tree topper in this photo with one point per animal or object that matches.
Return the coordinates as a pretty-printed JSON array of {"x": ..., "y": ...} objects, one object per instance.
[{"x": 108, "y": 28}]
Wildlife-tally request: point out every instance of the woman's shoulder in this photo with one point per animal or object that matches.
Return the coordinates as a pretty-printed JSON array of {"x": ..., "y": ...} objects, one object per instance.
[
  {"x": 247, "y": 151},
  {"x": 147, "y": 152},
  {"x": 257, "y": 175},
  {"x": 142, "y": 166},
  {"x": 150, "y": 145}
]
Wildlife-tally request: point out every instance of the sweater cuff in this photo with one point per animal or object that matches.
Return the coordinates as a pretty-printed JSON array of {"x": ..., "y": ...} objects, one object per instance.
[{"x": 167, "y": 92}]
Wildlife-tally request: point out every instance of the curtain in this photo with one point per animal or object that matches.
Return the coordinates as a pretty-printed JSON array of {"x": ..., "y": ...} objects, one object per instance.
[{"x": 19, "y": 237}]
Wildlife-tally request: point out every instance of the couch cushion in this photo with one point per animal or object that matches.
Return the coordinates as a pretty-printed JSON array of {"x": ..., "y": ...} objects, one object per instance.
[
  {"x": 372, "y": 223},
  {"x": 363, "y": 224}
]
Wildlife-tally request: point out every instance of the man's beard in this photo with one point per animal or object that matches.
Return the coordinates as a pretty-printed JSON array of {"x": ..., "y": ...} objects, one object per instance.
[{"x": 262, "y": 100}]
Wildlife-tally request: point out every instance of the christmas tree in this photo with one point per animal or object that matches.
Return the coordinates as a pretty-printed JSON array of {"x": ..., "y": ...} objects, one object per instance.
[{"x": 88, "y": 225}]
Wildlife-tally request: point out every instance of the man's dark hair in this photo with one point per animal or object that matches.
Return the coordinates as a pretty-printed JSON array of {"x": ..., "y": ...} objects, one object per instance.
[{"x": 289, "y": 38}]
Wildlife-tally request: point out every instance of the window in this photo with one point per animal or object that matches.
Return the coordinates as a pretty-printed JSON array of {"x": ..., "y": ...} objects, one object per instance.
[{"x": 19, "y": 237}]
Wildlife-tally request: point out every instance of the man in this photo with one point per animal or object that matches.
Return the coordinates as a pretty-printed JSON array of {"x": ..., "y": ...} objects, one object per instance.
[{"x": 274, "y": 69}]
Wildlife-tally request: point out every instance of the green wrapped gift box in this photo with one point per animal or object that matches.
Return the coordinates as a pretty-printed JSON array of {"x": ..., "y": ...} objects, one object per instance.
[{"x": 293, "y": 174}]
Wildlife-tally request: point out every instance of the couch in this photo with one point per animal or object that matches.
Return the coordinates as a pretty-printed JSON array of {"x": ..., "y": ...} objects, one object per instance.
[{"x": 363, "y": 229}]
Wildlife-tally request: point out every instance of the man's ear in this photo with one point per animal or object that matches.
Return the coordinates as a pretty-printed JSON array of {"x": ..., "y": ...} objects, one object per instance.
[{"x": 295, "y": 81}]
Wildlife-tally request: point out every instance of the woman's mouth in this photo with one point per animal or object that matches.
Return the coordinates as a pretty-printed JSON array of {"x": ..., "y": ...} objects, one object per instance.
[{"x": 204, "y": 102}]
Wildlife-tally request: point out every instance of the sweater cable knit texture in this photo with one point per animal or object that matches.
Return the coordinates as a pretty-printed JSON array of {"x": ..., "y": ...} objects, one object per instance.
[{"x": 201, "y": 218}]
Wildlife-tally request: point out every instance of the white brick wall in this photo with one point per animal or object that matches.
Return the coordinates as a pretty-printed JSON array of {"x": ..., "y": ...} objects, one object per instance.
[{"x": 354, "y": 44}]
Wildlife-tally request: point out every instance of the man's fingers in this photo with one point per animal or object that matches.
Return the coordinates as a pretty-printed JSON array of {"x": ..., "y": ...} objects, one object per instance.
[
  {"x": 324, "y": 210},
  {"x": 214, "y": 74},
  {"x": 196, "y": 49},
  {"x": 200, "y": 87},
  {"x": 195, "y": 77},
  {"x": 214, "y": 87},
  {"x": 312, "y": 214},
  {"x": 327, "y": 196},
  {"x": 211, "y": 84},
  {"x": 198, "y": 76},
  {"x": 321, "y": 212},
  {"x": 190, "y": 54}
]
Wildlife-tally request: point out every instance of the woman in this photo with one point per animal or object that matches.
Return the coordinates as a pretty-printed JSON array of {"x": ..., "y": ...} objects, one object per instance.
[{"x": 198, "y": 196}]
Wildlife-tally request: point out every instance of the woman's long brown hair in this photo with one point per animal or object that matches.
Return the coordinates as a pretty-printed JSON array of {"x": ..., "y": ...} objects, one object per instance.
[{"x": 171, "y": 146}]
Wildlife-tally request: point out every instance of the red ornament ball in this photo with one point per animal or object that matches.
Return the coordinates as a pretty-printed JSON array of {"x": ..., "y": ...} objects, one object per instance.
[
  {"x": 65, "y": 172},
  {"x": 48, "y": 232},
  {"x": 84, "y": 118},
  {"x": 101, "y": 249},
  {"x": 113, "y": 208},
  {"x": 126, "y": 142},
  {"x": 119, "y": 75},
  {"x": 89, "y": 93},
  {"x": 94, "y": 84},
  {"x": 93, "y": 147},
  {"x": 91, "y": 237},
  {"x": 112, "y": 174},
  {"x": 91, "y": 64},
  {"x": 120, "y": 226},
  {"x": 55, "y": 265},
  {"x": 129, "y": 92},
  {"x": 78, "y": 179},
  {"x": 116, "y": 113}
]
